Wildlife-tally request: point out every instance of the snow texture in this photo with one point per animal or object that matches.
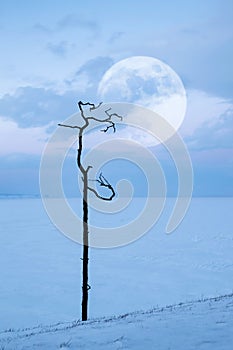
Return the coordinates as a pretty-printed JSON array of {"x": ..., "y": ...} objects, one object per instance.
[
  {"x": 203, "y": 324},
  {"x": 41, "y": 282}
]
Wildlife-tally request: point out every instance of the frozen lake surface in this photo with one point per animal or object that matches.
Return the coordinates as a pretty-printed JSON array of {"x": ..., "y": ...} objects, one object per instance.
[{"x": 41, "y": 269}]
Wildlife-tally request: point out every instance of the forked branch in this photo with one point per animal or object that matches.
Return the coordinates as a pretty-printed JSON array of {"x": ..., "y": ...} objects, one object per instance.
[
  {"x": 105, "y": 120},
  {"x": 103, "y": 182}
]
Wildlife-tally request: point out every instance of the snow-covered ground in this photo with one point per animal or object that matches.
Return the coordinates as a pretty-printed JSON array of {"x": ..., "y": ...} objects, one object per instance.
[
  {"x": 203, "y": 324},
  {"x": 41, "y": 269}
]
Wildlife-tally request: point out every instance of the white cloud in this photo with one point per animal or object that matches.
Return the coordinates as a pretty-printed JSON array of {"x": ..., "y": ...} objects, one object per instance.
[
  {"x": 17, "y": 140},
  {"x": 204, "y": 112},
  {"x": 202, "y": 108}
]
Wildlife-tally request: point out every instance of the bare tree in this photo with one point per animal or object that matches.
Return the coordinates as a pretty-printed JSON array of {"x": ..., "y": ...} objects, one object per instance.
[{"x": 101, "y": 181}]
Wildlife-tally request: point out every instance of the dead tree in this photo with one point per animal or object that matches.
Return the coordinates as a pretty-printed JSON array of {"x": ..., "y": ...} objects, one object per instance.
[{"x": 101, "y": 181}]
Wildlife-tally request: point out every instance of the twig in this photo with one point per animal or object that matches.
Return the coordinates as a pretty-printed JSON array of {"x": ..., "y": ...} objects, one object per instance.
[
  {"x": 103, "y": 183},
  {"x": 69, "y": 126}
]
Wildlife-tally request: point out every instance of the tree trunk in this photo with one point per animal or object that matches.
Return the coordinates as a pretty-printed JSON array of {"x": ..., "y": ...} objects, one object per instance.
[
  {"x": 85, "y": 286},
  {"x": 101, "y": 181}
]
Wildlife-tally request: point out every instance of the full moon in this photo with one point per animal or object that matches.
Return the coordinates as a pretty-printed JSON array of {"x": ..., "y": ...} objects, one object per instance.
[{"x": 148, "y": 82}]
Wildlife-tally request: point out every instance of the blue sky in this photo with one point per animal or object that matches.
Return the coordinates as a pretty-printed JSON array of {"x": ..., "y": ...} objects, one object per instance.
[{"x": 54, "y": 53}]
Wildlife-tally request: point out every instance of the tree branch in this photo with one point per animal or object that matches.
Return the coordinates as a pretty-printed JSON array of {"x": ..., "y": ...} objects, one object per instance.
[
  {"x": 106, "y": 120},
  {"x": 92, "y": 107},
  {"x": 70, "y": 126},
  {"x": 104, "y": 183},
  {"x": 112, "y": 125}
]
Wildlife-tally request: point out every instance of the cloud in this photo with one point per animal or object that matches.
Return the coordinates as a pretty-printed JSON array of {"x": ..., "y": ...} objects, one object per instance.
[
  {"x": 88, "y": 76},
  {"x": 201, "y": 109},
  {"x": 74, "y": 21},
  {"x": 14, "y": 139},
  {"x": 60, "y": 49},
  {"x": 39, "y": 27},
  {"x": 95, "y": 68},
  {"x": 214, "y": 134},
  {"x": 33, "y": 107},
  {"x": 69, "y": 21},
  {"x": 206, "y": 116},
  {"x": 199, "y": 49},
  {"x": 115, "y": 37},
  {"x": 208, "y": 121}
]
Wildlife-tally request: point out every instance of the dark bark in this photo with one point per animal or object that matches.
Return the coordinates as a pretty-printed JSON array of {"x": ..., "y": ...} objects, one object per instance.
[
  {"x": 85, "y": 286},
  {"x": 102, "y": 181}
]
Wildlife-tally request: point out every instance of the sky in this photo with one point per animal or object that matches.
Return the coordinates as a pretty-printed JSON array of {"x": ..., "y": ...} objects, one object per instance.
[{"x": 54, "y": 53}]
